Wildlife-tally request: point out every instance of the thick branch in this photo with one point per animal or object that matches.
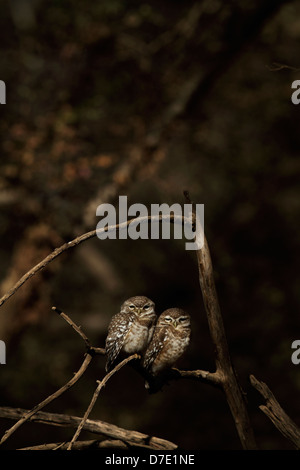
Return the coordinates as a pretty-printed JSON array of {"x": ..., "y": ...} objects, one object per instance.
[
  {"x": 95, "y": 426},
  {"x": 224, "y": 368},
  {"x": 276, "y": 414},
  {"x": 84, "y": 445}
]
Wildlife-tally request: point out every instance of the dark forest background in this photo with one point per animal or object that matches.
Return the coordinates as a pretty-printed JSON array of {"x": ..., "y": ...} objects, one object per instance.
[{"x": 148, "y": 99}]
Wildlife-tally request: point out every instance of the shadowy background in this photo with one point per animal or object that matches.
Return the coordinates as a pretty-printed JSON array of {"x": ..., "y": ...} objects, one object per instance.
[{"x": 148, "y": 99}]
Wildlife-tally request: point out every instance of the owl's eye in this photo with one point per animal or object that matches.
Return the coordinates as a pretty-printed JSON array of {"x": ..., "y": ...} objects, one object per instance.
[
  {"x": 132, "y": 306},
  {"x": 182, "y": 319},
  {"x": 168, "y": 319},
  {"x": 146, "y": 307}
]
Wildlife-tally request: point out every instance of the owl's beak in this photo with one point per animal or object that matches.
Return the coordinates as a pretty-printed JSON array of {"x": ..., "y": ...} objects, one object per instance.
[
  {"x": 175, "y": 323},
  {"x": 138, "y": 310}
]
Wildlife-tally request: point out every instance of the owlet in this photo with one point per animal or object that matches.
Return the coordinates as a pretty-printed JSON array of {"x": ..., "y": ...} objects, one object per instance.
[{"x": 131, "y": 329}]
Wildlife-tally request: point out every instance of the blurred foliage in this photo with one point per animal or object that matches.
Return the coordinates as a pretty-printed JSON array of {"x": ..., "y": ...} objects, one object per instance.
[{"x": 87, "y": 83}]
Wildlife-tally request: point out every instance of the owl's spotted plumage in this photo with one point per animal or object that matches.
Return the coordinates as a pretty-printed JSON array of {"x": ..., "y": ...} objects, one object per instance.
[
  {"x": 170, "y": 339},
  {"x": 131, "y": 329}
]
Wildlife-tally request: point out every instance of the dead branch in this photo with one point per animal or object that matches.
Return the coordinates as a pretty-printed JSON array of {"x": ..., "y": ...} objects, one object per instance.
[
  {"x": 94, "y": 426},
  {"x": 83, "y": 445},
  {"x": 90, "y": 349},
  {"x": 64, "y": 388},
  {"x": 101, "y": 384},
  {"x": 38, "y": 267},
  {"x": 77, "y": 241},
  {"x": 224, "y": 368},
  {"x": 276, "y": 67},
  {"x": 213, "y": 378},
  {"x": 276, "y": 414},
  {"x": 74, "y": 326},
  {"x": 224, "y": 375},
  {"x": 28, "y": 415}
]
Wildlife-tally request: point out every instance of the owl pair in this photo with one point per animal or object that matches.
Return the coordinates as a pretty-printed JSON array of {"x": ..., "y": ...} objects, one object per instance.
[{"x": 136, "y": 329}]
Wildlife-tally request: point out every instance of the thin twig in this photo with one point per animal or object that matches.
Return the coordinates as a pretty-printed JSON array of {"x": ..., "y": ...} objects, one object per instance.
[
  {"x": 276, "y": 67},
  {"x": 90, "y": 349},
  {"x": 73, "y": 325},
  {"x": 213, "y": 378},
  {"x": 101, "y": 384},
  {"x": 64, "y": 388},
  {"x": 76, "y": 241},
  {"x": 28, "y": 415},
  {"x": 38, "y": 267}
]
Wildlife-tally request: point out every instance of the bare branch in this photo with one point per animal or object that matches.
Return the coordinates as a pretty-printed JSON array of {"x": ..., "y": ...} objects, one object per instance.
[
  {"x": 276, "y": 67},
  {"x": 94, "y": 426},
  {"x": 83, "y": 445},
  {"x": 49, "y": 399},
  {"x": 224, "y": 368},
  {"x": 276, "y": 414},
  {"x": 64, "y": 388},
  {"x": 101, "y": 384},
  {"x": 90, "y": 349},
  {"x": 224, "y": 375},
  {"x": 82, "y": 238},
  {"x": 73, "y": 325},
  {"x": 214, "y": 378},
  {"x": 38, "y": 267}
]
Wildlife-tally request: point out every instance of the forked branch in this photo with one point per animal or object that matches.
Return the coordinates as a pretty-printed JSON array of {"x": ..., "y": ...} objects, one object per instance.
[
  {"x": 101, "y": 384},
  {"x": 87, "y": 359},
  {"x": 29, "y": 414},
  {"x": 276, "y": 414},
  {"x": 224, "y": 376}
]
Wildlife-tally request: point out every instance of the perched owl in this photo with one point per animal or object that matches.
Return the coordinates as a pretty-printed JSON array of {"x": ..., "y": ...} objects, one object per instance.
[
  {"x": 170, "y": 339},
  {"x": 131, "y": 329}
]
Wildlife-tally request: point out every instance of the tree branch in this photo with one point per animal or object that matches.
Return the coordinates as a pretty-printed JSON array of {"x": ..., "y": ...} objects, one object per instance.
[
  {"x": 276, "y": 414},
  {"x": 94, "y": 426},
  {"x": 84, "y": 445},
  {"x": 31, "y": 413},
  {"x": 90, "y": 349},
  {"x": 213, "y": 378},
  {"x": 224, "y": 368},
  {"x": 101, "y": 384},
  {"x": 77, "y": 241},
  {"x": 64, "y": 388},
  {"x": 224, "y": 375}
]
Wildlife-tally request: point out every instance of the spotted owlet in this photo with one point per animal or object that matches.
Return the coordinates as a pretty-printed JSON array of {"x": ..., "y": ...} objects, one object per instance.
[
  {"x": 170, "y": 339},
  {"x": 130, "y": 330}
]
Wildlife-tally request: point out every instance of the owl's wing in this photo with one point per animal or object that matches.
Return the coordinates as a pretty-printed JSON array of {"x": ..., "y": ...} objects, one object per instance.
[
  {"x": 117, "y": 331},
  {"x": 155, "y": 347}
]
